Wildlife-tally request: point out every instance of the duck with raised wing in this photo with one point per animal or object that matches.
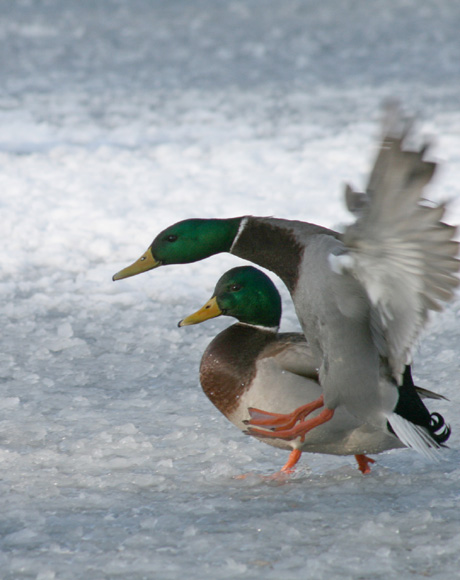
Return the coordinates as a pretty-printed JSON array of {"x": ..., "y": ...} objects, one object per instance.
[
  {"x": 362, "y": 297},
  {"x": 250, "y": 365}
]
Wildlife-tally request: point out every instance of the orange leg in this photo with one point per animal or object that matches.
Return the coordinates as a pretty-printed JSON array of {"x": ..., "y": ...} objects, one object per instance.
[
  {"x": 278, "y": 421},
  {"x": 363, "y": 463},
  {"x": 299, "y": 430},
  {"x": 287, "y": 469},
  {"x": 294, "y": 457}
]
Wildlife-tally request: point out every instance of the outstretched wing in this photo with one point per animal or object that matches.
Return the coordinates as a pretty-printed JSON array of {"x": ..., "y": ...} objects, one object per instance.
[{"x": 399, "y": 248}]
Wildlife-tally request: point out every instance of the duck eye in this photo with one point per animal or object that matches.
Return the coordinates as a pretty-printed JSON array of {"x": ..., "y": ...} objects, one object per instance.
[
  {"x": 235, "y": 287},
  {"x": 171, "y": 238}
]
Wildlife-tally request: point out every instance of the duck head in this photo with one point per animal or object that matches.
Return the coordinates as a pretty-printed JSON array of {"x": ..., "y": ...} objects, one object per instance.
[
  {"x": 185, "y": 242},
  {"x": 244, "y": 293}
]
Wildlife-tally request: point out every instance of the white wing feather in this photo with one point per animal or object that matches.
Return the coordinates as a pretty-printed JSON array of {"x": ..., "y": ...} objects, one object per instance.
[{"x": 414, "y": 436}]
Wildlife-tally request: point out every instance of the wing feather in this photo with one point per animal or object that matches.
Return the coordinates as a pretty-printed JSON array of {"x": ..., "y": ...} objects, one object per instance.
[{"x": 399, "y": 248}]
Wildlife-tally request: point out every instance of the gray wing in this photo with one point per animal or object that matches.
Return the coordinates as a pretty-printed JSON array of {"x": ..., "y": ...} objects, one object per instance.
[{"x": 399, "y": 248}]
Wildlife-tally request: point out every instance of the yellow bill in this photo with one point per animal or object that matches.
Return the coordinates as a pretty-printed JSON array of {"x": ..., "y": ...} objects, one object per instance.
[
  {"x": 146, "y": 262},
  {"x": 209, "y": 310}
]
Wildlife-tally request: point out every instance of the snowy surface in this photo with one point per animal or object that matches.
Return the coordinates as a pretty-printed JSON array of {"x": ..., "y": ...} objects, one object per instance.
[{"x": 118, "y": 118}]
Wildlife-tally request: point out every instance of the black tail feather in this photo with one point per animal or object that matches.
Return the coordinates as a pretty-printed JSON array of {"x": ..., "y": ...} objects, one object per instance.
[{"x": 411, "y": 407}]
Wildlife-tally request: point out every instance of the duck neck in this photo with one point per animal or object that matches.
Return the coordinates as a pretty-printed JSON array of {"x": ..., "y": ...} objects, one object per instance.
[
  {"x": 271, "y": 243},
  {"x": 220, "y": 234},
  {"x": 261, "y": 327},
  {"x": 262, "y": 313}
]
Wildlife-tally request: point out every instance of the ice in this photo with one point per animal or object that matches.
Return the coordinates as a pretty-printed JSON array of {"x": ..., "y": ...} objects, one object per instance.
[{"x": 117, "y": 119}]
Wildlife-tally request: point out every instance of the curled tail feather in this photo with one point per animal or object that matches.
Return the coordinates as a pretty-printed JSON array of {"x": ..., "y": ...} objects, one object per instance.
[{"x": 439, "y": 429}]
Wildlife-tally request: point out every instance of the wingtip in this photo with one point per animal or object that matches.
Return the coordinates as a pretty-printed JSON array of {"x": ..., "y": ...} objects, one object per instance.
[
  {"x": 395, "y": 123},
  {"x": 355, "y": 201}
]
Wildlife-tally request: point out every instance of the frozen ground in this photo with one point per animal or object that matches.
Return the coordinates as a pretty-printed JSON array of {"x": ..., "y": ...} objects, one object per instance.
[{"x": 118, "y": 118}]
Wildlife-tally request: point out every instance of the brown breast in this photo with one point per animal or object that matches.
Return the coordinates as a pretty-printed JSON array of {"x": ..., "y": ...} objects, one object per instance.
[{"x": 228, "y": 364}]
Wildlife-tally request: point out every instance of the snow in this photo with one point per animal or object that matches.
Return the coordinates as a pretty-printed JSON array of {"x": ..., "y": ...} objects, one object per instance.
[{"x": 117, "y": 119}]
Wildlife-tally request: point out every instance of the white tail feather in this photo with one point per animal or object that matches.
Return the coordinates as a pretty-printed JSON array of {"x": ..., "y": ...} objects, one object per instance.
[{"x": 414, "y": 436}]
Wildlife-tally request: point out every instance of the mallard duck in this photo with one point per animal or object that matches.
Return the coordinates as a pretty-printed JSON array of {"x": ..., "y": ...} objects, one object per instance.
[
  {"x": 362, "y": 297},
  {"x": 250, "y": 364}
]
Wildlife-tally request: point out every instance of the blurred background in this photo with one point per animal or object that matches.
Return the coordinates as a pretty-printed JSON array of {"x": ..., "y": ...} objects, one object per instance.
[{"x": 117, "y": 119}]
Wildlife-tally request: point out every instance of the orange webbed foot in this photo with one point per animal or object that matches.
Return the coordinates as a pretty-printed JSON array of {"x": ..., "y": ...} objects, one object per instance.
[
  {"x": 280, "y": 421},
  {"x": 299, "y": 430}
]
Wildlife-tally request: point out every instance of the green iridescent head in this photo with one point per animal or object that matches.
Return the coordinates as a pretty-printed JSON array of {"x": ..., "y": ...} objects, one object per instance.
[
  {"x": 245, "y": 293},
  {"x": 185, "y": 242}
]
